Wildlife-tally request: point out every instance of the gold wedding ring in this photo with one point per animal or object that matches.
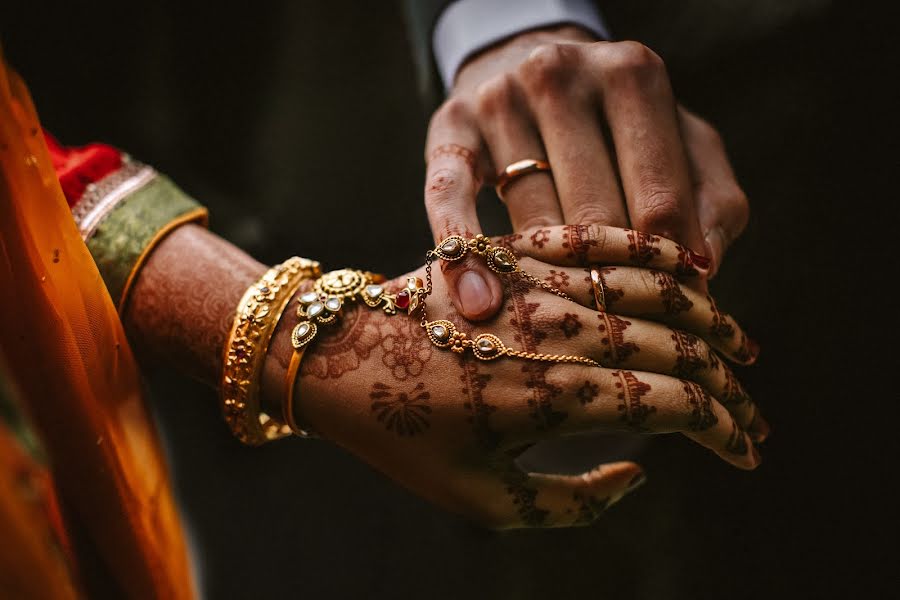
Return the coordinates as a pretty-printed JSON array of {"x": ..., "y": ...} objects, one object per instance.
[
  {"x": 597, "y": 285},
  {"x": 519, "y": 169}
]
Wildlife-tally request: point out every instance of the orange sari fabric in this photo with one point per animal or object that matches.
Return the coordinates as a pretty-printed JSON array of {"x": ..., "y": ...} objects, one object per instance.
[{"x": 68, "y": 354}]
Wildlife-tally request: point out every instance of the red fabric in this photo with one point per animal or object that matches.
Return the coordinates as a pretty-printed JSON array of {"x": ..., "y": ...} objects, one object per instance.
[{"x": 76, "y": 168}]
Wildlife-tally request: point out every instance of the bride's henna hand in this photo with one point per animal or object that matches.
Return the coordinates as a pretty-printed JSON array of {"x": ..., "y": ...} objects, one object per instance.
[{"x": 450, "y": 427}]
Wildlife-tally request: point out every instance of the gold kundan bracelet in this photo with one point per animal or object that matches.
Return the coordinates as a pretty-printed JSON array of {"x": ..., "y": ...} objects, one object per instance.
[{"x": 257, "y": 315}]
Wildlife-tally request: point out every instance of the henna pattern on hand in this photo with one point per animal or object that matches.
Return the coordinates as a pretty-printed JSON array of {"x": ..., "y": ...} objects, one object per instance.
[
  {"x": 558, "y": 279},
  {"x": 529, "y": 336},
  {"x": 540, "y": 237},
  {"x": 479, "y": 411},
  {"x": 737, "y": 441},
  {"x": 702, "y": 415},
  {"x": 587, "y": 392},
  {"x": 634, "y": 412},
  {"x": 404, "y": 349},
  {"x": 673, "y": 299},
  {"x": 570, "y": 325},
  {"x": 589, "y": 508},
  {"x": 616, "y": 349},
  {"x": 577, "y": 240},
  {"x": 720, "y": 326},
  {"x": 507, "y": 242},
  {"x": 403, "y": 412},
  {"x": 642, "y": 247},
  {"x": 690, "y": 360},
  {"x": 342, "y": 349}
]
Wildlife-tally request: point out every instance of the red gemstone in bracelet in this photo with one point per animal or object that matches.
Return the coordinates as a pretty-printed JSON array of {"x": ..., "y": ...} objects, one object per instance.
[{"x": 402, "y": 300}]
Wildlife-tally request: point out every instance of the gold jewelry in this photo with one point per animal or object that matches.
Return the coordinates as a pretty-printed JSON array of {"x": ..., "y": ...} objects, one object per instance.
[
  {"x": 245, "y": 350},
  {"x": 485, "y": 346},
  {"x": 599, "y": 293},
  {"x": 287, "y": 406},
  {"x": 519, "y": 169}
]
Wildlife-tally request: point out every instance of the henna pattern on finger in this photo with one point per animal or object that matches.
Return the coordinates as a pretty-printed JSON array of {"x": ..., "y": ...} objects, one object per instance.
[
  {"x": 587, "y": 392},
  {"x": 523, "y": 498},
  {"x": 540, "y": 237},
  {"x": 589, "y": 508},
  {"x": 734, "y": 393},
  {"x": 673, "y": 299},
  {"x": 616, "y": 350},
  {"x": 529, "y": 335},
  {"x": 470, "y": 157},
  {"x": 570, "y": 325},
  {"x": 702, "y": 415},
  {"x": 685, "y": 266},
  {"x": 577, "y": 240},
  {"x": 403, "y": 412},
  {"x": 689, "y": 360},
  {"x": 508, "y": 241},
  {"x": 737, "y": 441},
  {"x": 610, "y": 294},
  {"x": 720, "y": 326},
  {"x": 558, "y": 279},
  {"x": 642, "y": 247},
  {"x": 634, "y": 412},
  {"x": 743, "y": 353}
]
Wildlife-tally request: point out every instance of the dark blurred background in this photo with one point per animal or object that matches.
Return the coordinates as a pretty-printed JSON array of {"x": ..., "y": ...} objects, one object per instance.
[{"x": 299, "y": 125}]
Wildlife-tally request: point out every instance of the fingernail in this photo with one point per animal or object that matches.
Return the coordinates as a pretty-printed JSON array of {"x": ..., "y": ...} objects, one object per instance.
[
  {"x": 710, "y": 252},
  {"x": 636, "y": 482},
  {"x": 474, "y": 293},
  {"x": 699, "y": 260},
  {"x": 761, "y": 429}
]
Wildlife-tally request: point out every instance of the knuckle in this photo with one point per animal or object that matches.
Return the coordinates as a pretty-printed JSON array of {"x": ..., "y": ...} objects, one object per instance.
[
  {"x": 633, "y": 60},
  {"x": 454, "y": 112},
  {"x": 659, "y": 211},
  {"x": 549, "y": 67},
  {"x": 597, "y": 235},
  {"x": 495, "y": 95},
  {"x": 442, "y": 187}
]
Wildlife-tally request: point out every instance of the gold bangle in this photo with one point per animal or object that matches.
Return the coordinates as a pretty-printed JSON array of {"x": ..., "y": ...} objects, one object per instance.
[
  {"x": 287, "y": 407},
  {"x": 257, "y": 315}
]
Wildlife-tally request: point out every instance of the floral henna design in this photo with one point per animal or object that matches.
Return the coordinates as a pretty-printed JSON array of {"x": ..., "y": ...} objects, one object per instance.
[
  {"x": 558, "y": 279},
  {"x": 343, "y": 349},
  {"x": 642, "y": 247},
  {"x": 587, "y": 392},
  {"x": 690, "y": 360},
  {"x": 570, "y": 325},
  {"x": 507, "y": 241},
  {"x": 634, "y": 412},
  {"x": 616, "y": 348},
  {"x": 540, "y": 237},
  {"x": 405, "y": 349},
  {"x": 589, "y": 508},
  {"x": 720, "y": 326},
  {"x": 702, "y": 415},
  {"x": 403, "y": 412},
  {"x": 523, "y": 498},
  {"x": 577, "y": 240},
  {"x": 529, "y": 335},
  {"x": 673, "y": 299}
]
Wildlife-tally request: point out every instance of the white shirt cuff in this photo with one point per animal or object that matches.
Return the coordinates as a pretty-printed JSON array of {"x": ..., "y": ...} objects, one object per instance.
[{"x": 467, "y": 26}]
